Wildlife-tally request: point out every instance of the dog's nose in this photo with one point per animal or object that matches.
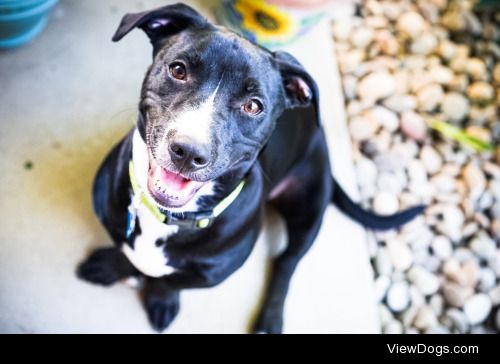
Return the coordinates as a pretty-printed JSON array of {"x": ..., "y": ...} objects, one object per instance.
[{"x": 189, "y": 155}]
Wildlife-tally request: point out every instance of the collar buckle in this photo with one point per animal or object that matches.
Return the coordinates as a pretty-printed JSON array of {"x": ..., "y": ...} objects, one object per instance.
[
  {"x": 200, "y": 220},
  {"x": 188, "y": 220}
]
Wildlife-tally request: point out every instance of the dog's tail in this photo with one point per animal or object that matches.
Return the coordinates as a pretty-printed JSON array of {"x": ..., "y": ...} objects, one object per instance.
[{"x": 368, "y": 219}]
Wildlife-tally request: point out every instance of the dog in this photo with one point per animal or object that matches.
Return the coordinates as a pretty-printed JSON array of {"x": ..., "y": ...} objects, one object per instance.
[{"x": 225, "y": 127}]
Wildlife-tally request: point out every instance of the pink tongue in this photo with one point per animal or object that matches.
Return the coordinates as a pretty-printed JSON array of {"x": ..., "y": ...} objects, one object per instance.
[{"x": 170, "y": 179}]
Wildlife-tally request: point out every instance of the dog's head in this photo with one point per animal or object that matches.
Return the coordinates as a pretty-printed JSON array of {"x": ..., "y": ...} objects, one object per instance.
[{"x": 210, "y": 100}]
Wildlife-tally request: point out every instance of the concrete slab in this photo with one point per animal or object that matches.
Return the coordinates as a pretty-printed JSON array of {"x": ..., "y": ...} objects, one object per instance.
[{"x": 67, "y": 98}]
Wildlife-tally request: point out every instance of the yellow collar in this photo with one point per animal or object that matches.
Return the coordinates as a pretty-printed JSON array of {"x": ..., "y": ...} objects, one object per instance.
[{"x": 194, "y": 220}]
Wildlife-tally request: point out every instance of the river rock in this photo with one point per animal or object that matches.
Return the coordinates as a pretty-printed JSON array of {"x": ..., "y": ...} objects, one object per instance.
[
  {"x": 342, "y": 29},
  {"x": 383, "y": 116},
  {"x": 425, "y": 318},
  {"x": 424, "y": 44},
  {"x": 494, "y": 187},
  {"x": 417, "y": 171},
  {"x": 475, "y": 180},
  {"x": 442, "y": 75},
  {"x": 457, "y": 321},
  {"x": 442, "y": 247},
  {"x": 483, "y": 246},
  {"x": 411, "y": 24},
  {"x": 476, "y": 69},
  {"x": 459, "y": 64},
  {"x": 459, "y": 83},
  {"x": 433, "y": 264},
  {"x": 465, "y": 255},
  {"x": 386, "y": 42},
  {"x": 419, "y": 79},
  {"x": 454, "y": 20},
  {"x": 393, "y": 328},
  {"x": 413, "y": 126},
  {"x": 389, "y": 182},
  {"x": 455, "y": 106},
  {"x": 451, "y": 222},
  {"x": 383, "y": 263},
  {"x": 493, "y": 170},
  {"x": 376, "y": 22},
  {"x": 426, "y": 282},
  {"x": 362, "y": 37},
  {"x": 430, "y": 97},
  {"x": 436, "y": 302},
  {"x": 408, "y": 316},
  {"x": 477, "y": 308},
  {"x": 431, "y": 159},
  {"x": 481, "y": 92},
  {"x": 494, "y": 263},
  {"x": 398, "y": 297},
  {"x": 385, "y": 203},
  {"x": 496, "y": 73},
  {"x": 495, "y": 295},
  {"x": 447, "y": 50},
  {"x": 384, "y": 314},
  {"x": 362, "y": 128},
  {"x": 468, "y": 275},
  {"x": 351, "y": 60},
  {"x": 366, "y": 172},
  {"x": 486, "y": 201},
  {"x": 376, "y": 86},
  {"x": 487, "y": 279},
  {"x": 350, "y": 84},
  {"x": 456, "y": 295},
  {"x": 400, "y": 103},
  {"x": 444, "y": 183},
  {"x": 382, "y": 284},
  {"x": 400, "y": 254},
  {"x": 495, "y": 228}
]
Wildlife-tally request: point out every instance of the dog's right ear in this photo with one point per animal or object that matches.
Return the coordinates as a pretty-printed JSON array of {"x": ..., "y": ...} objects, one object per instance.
[
  {"x": 161, "y": 22},
  {"x": 300, "y": 88}
]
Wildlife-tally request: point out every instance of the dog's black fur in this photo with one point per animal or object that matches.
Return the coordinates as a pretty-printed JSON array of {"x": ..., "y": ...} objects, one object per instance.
[{"x": 281, "y": 152}]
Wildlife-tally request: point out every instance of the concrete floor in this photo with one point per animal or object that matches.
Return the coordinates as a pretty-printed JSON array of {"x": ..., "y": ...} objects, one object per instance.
[{"x": 65, "y": 100}]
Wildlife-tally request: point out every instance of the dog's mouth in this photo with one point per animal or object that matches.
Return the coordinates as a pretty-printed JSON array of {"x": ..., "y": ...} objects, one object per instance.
[{"x": 170, "y": 189}]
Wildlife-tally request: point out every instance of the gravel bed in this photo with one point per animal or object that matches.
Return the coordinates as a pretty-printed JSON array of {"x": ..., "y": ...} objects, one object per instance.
[{"x": 406, "y": 64}]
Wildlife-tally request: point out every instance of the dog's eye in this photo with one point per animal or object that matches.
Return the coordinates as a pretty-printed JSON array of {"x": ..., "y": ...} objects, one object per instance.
[
  {"x": 178, "y": 71},
  {"x": 253, "y": 107}
]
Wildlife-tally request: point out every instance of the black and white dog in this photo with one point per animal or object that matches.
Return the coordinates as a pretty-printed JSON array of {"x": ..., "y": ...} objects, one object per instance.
[{"x": 225, "y": 127}]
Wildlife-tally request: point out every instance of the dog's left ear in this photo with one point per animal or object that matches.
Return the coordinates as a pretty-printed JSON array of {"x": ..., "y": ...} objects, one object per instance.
[
  {"x": 300, "y": 88},
  {"x": 162, "y": 22}
]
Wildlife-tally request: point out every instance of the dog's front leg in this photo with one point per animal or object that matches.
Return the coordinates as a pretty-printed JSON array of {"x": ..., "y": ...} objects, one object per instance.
[
  {"x": 302, "y": 205},
  {"x": 106, "y": 266},
  {"x": 301, "y": 237},
  {"x": 161, "y": 303}
]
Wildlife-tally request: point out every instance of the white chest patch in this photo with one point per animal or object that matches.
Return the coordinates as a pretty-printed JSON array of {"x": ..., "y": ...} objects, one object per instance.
[{"x": 146, "y": 256}]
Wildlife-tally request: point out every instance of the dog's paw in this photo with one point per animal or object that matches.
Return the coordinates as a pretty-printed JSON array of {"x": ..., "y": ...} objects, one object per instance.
[
  {"x": 162, "y": 311},
  {"x": 100, "y": 268},
  {"x": 269, "y": 322}
]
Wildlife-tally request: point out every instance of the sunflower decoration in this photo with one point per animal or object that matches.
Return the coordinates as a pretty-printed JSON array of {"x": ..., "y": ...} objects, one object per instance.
[{"x": 266, "y": 22}]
